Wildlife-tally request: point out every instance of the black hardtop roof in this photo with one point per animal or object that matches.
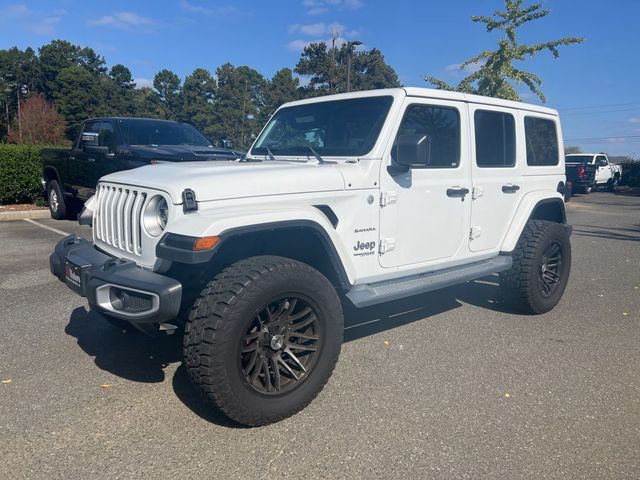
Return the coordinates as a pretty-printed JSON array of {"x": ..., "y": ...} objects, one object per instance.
[{"x": 132, "y": 118}]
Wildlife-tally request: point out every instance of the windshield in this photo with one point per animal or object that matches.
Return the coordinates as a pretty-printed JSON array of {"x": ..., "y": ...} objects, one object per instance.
[
  {"x": 335, "y": 128},
  {"x": 578, "y": 158},
  {"x": 158, "y": 132}
]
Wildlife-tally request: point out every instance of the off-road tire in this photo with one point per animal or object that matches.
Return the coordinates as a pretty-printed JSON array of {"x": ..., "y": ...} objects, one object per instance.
[
  {"x": 57, "y": 204},
  {"x": 521, "y": 285},
  {"x": 218, "y": 323},
  {"x": 586, "y": 189},
  {"x": 612, "y": 185}
]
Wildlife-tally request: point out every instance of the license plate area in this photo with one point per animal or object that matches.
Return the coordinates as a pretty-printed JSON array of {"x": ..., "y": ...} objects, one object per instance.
[{"x": 73, "y": 276}]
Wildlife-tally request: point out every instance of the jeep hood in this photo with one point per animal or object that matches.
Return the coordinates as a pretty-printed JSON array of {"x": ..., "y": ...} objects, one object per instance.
[{"x": 221, "y": 180}]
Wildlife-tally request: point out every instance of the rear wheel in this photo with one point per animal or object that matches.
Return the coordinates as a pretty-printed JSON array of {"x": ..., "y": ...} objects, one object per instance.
[
  {"x": 263, "y": 338},
  {"x": 55, "y": 197},
  {"x": 541, "y": 266},
  {"x": 586, "y": 189}
]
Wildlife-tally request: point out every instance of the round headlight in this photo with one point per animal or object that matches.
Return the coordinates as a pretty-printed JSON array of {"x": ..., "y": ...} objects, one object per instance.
[{"x": 156, "y": 215}]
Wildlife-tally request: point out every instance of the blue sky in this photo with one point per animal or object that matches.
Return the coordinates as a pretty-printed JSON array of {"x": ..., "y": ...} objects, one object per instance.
[{"x": 595, "y": 85}]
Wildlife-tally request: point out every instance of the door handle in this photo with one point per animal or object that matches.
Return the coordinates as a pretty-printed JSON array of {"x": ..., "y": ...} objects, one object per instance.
[
  {"x": 71, "y": 157},
  {"x": 459, "y": 192},
  {"x": 509, "y": 188},
  {"x": 91, "y": 160}
]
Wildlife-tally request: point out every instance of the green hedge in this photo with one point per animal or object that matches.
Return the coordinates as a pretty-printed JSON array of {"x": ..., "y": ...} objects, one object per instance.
[{"x": 20, "y": 173}]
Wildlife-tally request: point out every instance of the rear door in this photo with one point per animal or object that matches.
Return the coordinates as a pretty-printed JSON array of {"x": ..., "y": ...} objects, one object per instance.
[
  {"x": 496, "y": 173},
  {"x": 424, "y": 215}
]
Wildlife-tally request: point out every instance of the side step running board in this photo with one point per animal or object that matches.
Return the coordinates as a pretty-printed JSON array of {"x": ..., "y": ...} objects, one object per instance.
[{"x": 371, "y": 294}]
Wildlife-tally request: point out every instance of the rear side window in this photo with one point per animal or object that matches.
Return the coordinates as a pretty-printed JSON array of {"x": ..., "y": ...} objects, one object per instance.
[
  {"x": 542, "y": 142},
  {"x": 441, "y": 125},
  {"x": 495, "y": 139}
]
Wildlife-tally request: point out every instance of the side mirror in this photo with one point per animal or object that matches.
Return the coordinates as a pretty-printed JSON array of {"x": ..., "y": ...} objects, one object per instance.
[
  {"x": 412, "y": 150},
  {"x": 89, "y": 139}
]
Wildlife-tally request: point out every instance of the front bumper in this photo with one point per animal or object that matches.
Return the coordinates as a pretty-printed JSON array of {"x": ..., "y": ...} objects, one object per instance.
[{"x": 115, "y": 286}]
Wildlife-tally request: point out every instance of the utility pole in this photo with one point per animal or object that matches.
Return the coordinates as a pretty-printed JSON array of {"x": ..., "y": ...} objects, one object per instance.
[
  {"x": 350, "y": 48},
  {"x": 244, "y": 109},
  {"x": 19, "y": 119}
]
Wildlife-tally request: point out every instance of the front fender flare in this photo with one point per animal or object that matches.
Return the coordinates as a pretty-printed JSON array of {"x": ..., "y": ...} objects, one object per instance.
[{"x": 227, "y": 224}]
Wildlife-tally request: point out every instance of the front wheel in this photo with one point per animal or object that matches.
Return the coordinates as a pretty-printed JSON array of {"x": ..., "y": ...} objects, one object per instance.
[
  {"x": 612, "y": 186},
  {"x": 263, "y": 338},
  {"x": 541, "y": 266}
]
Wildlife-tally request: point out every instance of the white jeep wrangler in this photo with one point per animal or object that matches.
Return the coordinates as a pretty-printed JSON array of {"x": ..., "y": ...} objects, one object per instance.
[{"x": 362, "y": 197}]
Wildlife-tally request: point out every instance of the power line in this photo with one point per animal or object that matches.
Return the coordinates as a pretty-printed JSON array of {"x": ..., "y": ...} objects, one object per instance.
[
  {"x": 601, "y": 111},
  {"x": 601, "y": 138},
  {"x": 600, "y": 106}
]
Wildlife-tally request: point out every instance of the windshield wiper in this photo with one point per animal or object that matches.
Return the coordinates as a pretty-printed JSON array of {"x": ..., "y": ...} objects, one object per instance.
[
  {"x": 320, "y": 160},
  {"x": 270, "y": 154}
]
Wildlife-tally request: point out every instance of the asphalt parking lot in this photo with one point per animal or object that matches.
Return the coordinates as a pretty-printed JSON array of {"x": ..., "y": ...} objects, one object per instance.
[{"x": 445, "y": 385}]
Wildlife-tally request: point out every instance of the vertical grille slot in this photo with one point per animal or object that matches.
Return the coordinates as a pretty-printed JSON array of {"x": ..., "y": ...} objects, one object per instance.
[{"x": 118, "y": 219}]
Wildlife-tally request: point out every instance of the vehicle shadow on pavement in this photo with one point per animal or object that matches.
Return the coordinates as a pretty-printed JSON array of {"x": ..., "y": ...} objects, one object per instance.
[
  {"x": 131, "y": 355},
  {"x": 134, "y": 356},
  {"x": 362, "y": 322}
]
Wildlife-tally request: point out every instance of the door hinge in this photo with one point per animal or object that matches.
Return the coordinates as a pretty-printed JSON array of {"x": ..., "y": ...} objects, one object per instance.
[
  {"x": 386, "y": 245},
  {"x": 475, "y": 232},
  {"x": 476, "y": 192},
  {"x": 387, "y": 198}
]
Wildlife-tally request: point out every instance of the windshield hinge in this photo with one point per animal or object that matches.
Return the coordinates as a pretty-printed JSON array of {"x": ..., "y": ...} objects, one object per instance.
[{"x": 189, "y": 203}]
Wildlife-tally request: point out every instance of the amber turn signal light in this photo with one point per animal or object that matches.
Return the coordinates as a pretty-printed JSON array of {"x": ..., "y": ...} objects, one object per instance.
[{"x": 205, "y": 243}]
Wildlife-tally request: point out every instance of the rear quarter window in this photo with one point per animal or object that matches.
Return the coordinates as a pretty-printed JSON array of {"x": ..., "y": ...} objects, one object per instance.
[{"x": 542, "y": 142}]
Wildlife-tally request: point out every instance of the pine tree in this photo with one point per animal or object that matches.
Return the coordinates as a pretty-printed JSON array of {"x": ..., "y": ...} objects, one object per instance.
[{"x": 497, "y": 74}]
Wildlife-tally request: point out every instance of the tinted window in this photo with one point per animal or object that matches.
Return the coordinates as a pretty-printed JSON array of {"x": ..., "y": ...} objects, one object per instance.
[
  {"x": 578, "y": 158},
  {"x": 106, "y": 136},
  {"x": 495, "y": 139},
  {"x": 338, "y": 128},
  {"x": 157, "y": 132},
  {"x": 442, "y": 127},
  {"x": 542, "y": 141}
]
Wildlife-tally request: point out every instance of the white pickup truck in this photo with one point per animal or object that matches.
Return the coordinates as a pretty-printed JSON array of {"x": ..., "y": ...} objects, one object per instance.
[
  {"x": 605, "y": 174},
  {"x": 358, "y": 198}
]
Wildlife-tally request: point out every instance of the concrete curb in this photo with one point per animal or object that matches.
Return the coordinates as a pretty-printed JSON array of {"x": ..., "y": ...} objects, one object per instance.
[{"x": 21, "y": 215}]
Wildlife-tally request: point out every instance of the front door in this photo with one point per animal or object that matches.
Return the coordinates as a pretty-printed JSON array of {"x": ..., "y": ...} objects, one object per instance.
[
  {"x": 424, "y": 213},
  {"x": 496, "y": 173},
  {"x": 92, "y": 165},
  {"x": 603, "y": 170}
]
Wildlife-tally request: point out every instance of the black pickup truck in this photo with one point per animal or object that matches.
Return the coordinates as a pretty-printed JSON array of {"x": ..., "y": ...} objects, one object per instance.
[
  {"x": 580, "y": 172},
  {"x": 107, "y": 145}
]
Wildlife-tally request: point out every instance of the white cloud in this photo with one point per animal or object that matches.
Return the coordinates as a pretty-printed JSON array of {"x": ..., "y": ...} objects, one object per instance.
[
  {"x": 16, "y": 10},
  {"x": 143, "y": 82},
  {"x": 312, "y": 30},
  {"x": 634, "y": 119},
  {"x": 123, "y": 20},
  {"x": 209, "y": 11},
  {"x": 467, "y": 70},
  {"x": 319, "y": 7},
  {"x": 299, "y": 44},
  {"x": 38, "y": 22},
  {"x": 44, "y": 26}
]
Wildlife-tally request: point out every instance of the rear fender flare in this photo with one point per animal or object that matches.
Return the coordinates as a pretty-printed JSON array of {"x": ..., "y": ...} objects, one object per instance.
[{"x": 525, "y": 211}]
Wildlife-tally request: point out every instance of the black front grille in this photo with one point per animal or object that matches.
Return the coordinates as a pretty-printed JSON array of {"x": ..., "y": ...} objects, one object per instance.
[{"x": 130, "y": 302}]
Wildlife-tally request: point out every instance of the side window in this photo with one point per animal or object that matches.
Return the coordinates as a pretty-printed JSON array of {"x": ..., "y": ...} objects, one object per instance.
[
  {"x": 441, "y": 125},
  {"x": 106, "y": 136},
  {"x": 495, "y": 139},
  {"x": 601, "y": 161},
  {"x": 542, "y": 141}
]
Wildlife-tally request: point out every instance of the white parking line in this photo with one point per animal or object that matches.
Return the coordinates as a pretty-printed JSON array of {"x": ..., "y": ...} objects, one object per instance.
[{"x": 55, "y": 230}]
